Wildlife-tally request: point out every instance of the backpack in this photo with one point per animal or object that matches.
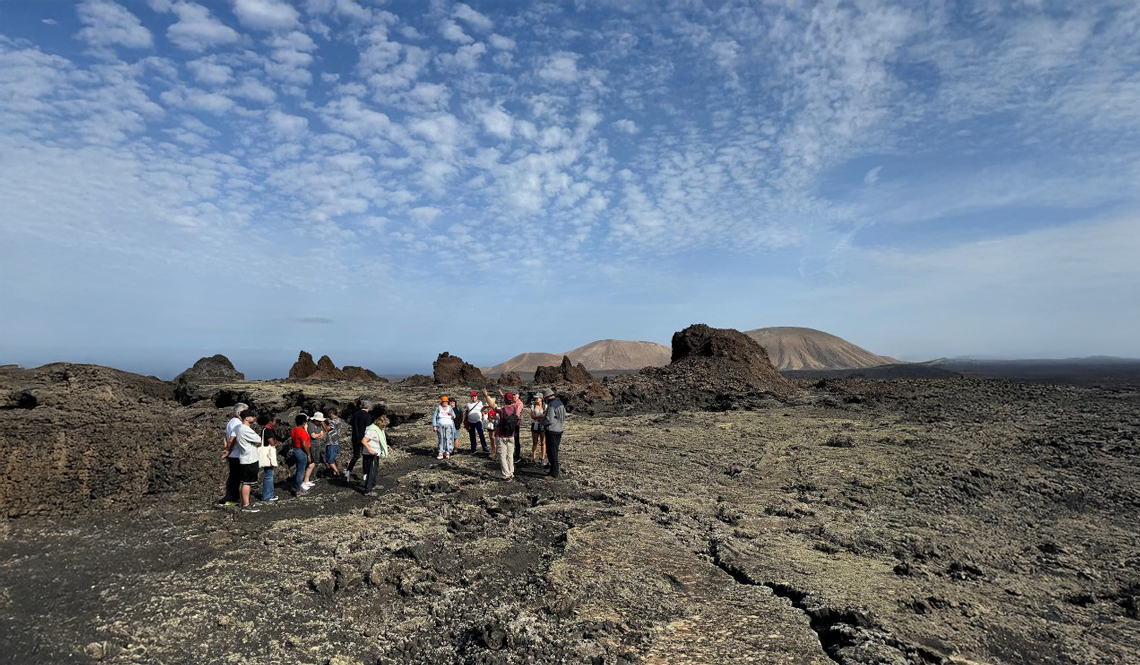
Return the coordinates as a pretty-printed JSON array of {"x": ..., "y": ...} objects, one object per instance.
[{"x": 508, "y": 424}]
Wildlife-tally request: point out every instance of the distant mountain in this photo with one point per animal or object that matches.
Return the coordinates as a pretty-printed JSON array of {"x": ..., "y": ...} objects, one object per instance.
[
  {"x": 602, "y": 355},
  {"x": 793, "y": 348}
]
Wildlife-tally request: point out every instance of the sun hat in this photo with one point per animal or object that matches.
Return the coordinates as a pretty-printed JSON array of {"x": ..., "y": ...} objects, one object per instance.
[
  {"x": 548, "y": 393},
  {"x": 474, "y": 394},
  {"x": 318, "y": 416},
  {"x": 510, "y": 396},
  {"x": 443, "y": 398}
]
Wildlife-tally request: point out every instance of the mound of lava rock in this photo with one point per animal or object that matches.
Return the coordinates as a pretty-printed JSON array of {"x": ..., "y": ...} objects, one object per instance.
[
  {"x": 575, "y": 384},
  {"x": 711, "y": 368},
  {"x": 449, "y": 370}
]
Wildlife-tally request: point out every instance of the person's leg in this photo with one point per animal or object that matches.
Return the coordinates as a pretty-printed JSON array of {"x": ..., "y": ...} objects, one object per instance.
[
  {"x": 330, "y": 458},
  {"x": 542, "y": 443},
  {"x": 518, "y": 448},
  {"x": 441, "y": 444},
  {"x": 302, "y": 462},
  {"x": 509, "y": 444},
  {"x": 482, "y": 437},
  {"x": 267, "y": 484},
  {"x": 356, "y": 451},
  {"x": 312, "y": 466},
  {"x": 553, "y": 439},
  {"x": 471, "y": 434},
  {"x": 451, "y": 435},
  {"x": 233, "y": 480},
  {"x": 370, "y": 467},
  {"x": 533, "y": 445}
]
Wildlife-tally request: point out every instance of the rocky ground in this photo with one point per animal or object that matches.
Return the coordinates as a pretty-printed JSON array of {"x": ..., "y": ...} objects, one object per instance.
[{"x": 909, "y": 521}]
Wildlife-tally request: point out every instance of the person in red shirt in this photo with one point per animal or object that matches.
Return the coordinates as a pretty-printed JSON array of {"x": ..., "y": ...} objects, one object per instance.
[{"x": 302, "y": 445}]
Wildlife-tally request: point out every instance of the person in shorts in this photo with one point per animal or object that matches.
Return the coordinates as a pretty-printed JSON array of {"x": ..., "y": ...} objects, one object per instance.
[
  {"x": 233, "y": 478},
  {"x": 246, "y": 442}
]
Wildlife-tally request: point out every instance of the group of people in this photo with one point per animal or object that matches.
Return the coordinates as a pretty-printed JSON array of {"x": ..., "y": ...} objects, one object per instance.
[
  {"x": 484, "y": 416},
  {"x": 313, "y": 445},
  {"x": 314, "y": 442}
]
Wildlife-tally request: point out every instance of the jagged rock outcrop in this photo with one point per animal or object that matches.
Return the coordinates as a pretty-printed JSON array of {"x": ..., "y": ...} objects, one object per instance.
[
  {"x": 575, "y": 382},
  {"x": 709, "y": 368},
  {"x": 304, "y": 367},
  {"x": 449, "y": 370},
  {"x": 417, "y": 380},
  {"x": 326, "y": 371}
]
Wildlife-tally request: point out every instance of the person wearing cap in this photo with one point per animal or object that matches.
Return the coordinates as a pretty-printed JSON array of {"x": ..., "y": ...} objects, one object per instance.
[
  {"x": 509, "y": 416},
  {"x": 473, "y": 421},
  {"x": 334, "y": 426},
  {"x": 443, "y": 423},
  {"x": 359, "y": 422},
  {"x": 246, "y": 442},
  {"x": 231, "y": 454},
  {"x": 490, "y": 421},
  {"x": 554, "y": 420}
]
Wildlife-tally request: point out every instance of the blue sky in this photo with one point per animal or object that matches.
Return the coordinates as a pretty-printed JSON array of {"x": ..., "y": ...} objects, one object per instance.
[{"x": 382, "y": 181}]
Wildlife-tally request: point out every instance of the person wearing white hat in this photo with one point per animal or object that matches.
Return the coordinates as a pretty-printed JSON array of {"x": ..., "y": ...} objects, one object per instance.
[{"x": 316, "y": 428}]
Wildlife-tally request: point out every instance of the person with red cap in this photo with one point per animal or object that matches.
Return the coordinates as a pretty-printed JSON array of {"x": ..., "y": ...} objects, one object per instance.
[{"x": 473, "y": 421}]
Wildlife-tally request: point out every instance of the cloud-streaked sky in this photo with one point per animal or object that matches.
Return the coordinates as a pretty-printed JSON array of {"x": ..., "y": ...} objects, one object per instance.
[{"x": 382, "y": 181}]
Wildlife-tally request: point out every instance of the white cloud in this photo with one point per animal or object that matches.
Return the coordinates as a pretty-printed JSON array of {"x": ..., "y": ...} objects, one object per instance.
[
  {"x": 207, "y": 70},
  {"x": 109, "y": 24},
  {"x": 197, "y": 30},
  {"x": 497, "y": 122},
  {"x": 501, "y": 43},
  {"x": 472, "y": 18},
  {"x": 626, "y": 126},
  {"x": 872, "y": 176},
  {"x": 451, "y": 31},
  {"x": 251, "y": 88},
  {"x": 465, "y": 57},
  {"x": 560, "y": 68},
  {"x": 265, "y": 14},
  {"x": 424, "y": 215},
  {"x": 290, "y": 126}
]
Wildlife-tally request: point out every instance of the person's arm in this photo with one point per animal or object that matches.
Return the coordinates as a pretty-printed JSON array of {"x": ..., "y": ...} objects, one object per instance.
[
  {"x": 435, "y": 419},
  {"x": 227, "y": 446}
]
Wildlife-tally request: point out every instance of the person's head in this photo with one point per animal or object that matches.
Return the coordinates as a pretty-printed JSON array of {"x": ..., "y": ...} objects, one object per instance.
[
  {"x": 247, "y": 417},
  {"x": 365, "y": 405},
  {"x": 239, "y": 407},
  {"x": 264, "y": 420},
  {"x": 382, "y": 422},
  {"x": 333, "y": 414},
  {"x": 318, "y": 417},
  {"x": 474, "y": 396},
  {"x": 301, "y": 419},
  {"x": 548, "y": 393},
  {"x": 443, "y": 399},
  {"x": 537, "y": 397},
  {"x": 510, "y": 397}
]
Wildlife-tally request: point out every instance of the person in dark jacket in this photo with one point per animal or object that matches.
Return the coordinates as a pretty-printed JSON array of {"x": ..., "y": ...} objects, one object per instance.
[
  {"x": 554, "y": 420},
  {"x": 359, "y": 422}
]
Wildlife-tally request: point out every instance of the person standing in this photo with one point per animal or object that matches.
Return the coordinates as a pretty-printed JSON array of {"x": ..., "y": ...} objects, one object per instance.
[
  {"x": 505, "y": 431},
  {"x": 334, "y": 426},
  {"x": 443, "y": 423},
  {"x": 301, "y": 447},
  {"x": 490, "y": 422},
  {"x": 246, "y": 442},
  {"x": 359, "y": 422},
  {"x": 537, "y": 430},
  {"x": 473, "y": 421},
  {"x": 374, "y": 445},
  {"x": 316, "y": 429},
  {"x": 233, "y": 479},
  {"x": 267, "y": 456},
  {"x": 555, "y": 422},
  {"x": 519, "y": 408}
]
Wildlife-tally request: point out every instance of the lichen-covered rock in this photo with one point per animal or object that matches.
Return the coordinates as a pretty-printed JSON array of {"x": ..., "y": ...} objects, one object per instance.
[
  {"x": 417, "y": 380},
  {"x": 216, "y": 368}
]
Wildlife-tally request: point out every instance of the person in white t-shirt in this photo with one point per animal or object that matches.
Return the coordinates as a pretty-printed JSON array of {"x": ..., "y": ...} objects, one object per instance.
[
  {"x": 473, "y": 421},
  {"x": 233, "y": 480},
  {"x": 246, "y": 443}
]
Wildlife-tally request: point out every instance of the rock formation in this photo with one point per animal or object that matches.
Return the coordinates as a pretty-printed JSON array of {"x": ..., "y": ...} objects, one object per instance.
[
  {"x": 575, "y": 382},
  {"x": 449, "y": 370},
  {"x": 216, "y": 368},
  {"x": 708, "y": 366},
  {"x": 354, "y": 373},
  {"x": 326, "y": 371},
  {"x": 304, "y": 367},
  {"x": 417, "y": 380},
  {"x": 510, "y": 379}
]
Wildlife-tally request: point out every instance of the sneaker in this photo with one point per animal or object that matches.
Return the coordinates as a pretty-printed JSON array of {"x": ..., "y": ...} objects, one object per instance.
[
  {"x": 372, "y": 494},
  {"x": 301, "y": 493},
  {"x": 447, "y": 456},
  {"x": 230, "y": 503},
  {"x": 306, "y": 486},
  {"x": 439, "y": 456},
  {"x": 347, "y": 475},
  {"x": 364, "y": 479},
  {"x": 250, "y": 509},
  {"x": 272, "y": 498}
]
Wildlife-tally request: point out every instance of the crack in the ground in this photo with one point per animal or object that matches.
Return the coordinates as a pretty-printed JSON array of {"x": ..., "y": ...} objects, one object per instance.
[{"x": 837, "y": 629}]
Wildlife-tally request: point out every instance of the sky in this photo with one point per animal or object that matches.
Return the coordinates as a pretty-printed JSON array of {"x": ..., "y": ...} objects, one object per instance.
[{"x": 383, "y": 181}]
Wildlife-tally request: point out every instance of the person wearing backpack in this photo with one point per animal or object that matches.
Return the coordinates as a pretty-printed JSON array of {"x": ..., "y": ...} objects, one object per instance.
[
  {"x": 443, "y": 423},
  {"x": 509, "y": 416}
]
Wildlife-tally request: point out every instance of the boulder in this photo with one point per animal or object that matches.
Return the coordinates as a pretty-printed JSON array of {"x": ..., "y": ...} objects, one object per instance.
[
  {"x": 575, "y": 382},
  {"x": 449, "y": 370},
  {"x": 354, "y": 373},
  {"x": 417, "y": 380},
  {"x": 304, "y": 367}
]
